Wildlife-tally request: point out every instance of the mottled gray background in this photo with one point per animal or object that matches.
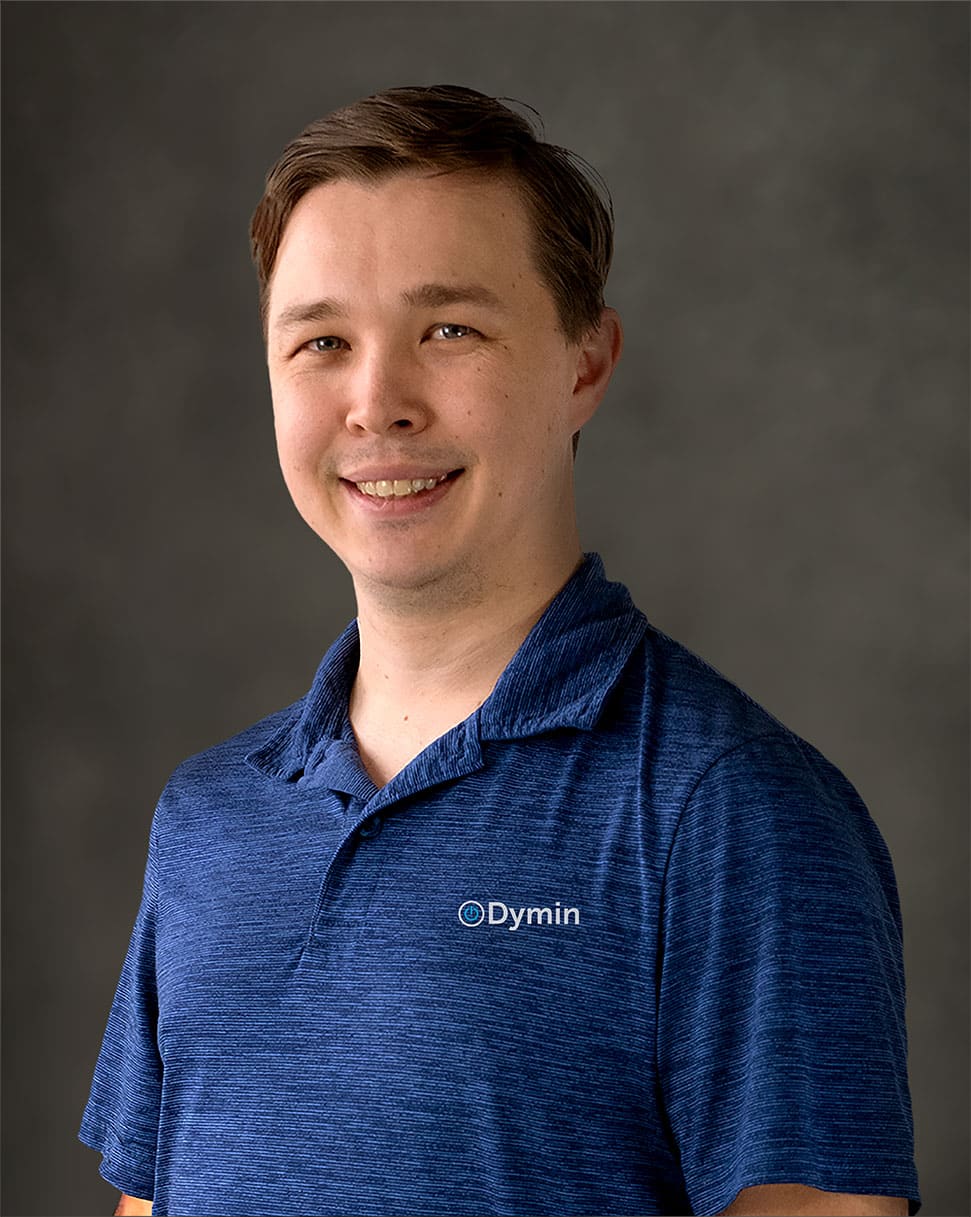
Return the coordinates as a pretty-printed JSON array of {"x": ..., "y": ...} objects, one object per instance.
[{"x": 779, "y": 471}]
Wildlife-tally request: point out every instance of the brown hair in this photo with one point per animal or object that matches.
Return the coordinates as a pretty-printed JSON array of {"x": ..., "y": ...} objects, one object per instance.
[{"x": 449, "y": 128}]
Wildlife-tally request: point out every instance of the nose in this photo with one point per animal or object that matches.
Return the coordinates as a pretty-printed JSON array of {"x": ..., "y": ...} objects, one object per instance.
[{"x": 384, "y": 394}]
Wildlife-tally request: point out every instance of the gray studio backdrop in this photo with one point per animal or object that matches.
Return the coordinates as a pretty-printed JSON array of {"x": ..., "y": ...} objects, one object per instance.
[{"x": 778, "y": 472}]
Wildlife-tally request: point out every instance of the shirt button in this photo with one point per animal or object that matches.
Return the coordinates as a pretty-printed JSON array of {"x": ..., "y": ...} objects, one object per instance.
[{"x": 370, "y": 827}]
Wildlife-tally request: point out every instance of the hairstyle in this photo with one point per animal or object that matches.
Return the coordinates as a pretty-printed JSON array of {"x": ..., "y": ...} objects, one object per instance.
[{"x": 447, "y": 129}]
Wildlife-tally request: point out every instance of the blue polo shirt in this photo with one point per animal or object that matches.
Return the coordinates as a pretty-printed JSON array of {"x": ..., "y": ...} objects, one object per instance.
[{"x": 617, "y": 943}]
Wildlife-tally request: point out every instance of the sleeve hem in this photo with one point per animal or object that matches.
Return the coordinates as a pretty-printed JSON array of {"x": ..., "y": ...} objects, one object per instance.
[
  {"x": 714, "y": 1201},
  {"x": 126, "y": 1164}
]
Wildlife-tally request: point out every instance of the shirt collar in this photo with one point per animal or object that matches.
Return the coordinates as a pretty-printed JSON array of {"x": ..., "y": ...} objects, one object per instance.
[
  {"x": 569, "y": 661},
  {"x": 560, "y": 676}
]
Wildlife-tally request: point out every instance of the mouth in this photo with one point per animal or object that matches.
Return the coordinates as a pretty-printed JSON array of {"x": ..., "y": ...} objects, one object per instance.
[
  {"x": 400, "y": 488},
  {"x": 387, "y": 494}
]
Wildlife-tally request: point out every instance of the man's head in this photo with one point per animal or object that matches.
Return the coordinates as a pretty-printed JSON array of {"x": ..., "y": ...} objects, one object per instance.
[
  {"x": 445, "y": 129},
  {"x": 430, "y": 364}
]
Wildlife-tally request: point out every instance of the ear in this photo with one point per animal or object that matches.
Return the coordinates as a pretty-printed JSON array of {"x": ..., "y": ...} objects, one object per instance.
[{"x": 597, "y": 356}]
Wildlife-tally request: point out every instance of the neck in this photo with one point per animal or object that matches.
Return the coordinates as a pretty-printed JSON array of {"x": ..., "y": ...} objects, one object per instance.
[{"x": 431, "y": 656}]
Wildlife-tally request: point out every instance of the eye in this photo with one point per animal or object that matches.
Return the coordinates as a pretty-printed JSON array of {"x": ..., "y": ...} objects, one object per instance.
[
  {"x": 450, "y": 332},
  {"x": 324, "y": 345}
]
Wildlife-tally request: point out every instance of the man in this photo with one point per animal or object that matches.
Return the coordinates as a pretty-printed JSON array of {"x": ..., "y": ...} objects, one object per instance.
[{"x": 523, "y": 908}]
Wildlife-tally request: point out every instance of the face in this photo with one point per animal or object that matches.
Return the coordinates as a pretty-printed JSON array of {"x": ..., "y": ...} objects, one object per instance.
[{"x": 424, "y": 395}]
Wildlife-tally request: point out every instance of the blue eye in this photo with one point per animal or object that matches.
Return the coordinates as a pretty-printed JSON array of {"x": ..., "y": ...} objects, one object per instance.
[{"x": 318, "y": 344}]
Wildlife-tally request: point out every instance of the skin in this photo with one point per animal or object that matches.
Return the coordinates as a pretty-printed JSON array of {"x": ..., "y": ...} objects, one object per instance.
[
  {"x": 133, "y": 1206},
  {"x": 445, "y": 596}
]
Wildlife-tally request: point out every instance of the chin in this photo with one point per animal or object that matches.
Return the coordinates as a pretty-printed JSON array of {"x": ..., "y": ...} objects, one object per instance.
[
  {"x": 420, "y": 580},
  {"x": 365, "y": 561},
  {"x": 398, "y": 576}
]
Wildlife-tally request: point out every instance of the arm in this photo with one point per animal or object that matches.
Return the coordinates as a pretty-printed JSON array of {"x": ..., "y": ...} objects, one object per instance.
[
  {"x": 781, "y": 1031},
  {"x": 796, "y": 1200},
  {"x": 131, "y": 1206}
]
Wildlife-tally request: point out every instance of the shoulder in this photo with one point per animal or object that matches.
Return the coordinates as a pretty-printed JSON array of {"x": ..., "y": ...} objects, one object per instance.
[
  {"x": 687, "y": 716},
  {"x": 236, "y": 748},
  {"x": 706, "y": 704},
  {"x": 707, "y": 746},
  {"x": 221, "y": 776},
  {"x": 755, "y": 800}
]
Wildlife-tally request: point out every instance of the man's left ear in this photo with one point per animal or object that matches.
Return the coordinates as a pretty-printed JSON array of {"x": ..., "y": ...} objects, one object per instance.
[{"x": 597, "y": 356}]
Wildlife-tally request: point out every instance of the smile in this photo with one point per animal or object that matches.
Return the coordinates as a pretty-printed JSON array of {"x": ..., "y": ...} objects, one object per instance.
[
  {"x": 398, "y": 497},
  {"x": 399, "y": 488}
]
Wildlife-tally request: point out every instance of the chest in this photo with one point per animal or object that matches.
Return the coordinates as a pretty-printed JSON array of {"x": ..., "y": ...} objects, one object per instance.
[{"x": 525, "y": 894}]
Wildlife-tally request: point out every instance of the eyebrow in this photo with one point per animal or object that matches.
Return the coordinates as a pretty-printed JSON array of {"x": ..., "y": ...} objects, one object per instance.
[{"x": 428, "y": 295}]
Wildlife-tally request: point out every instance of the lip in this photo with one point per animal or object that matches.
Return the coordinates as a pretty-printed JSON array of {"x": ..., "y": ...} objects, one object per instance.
[
  {"x": 405, "y": 505},
  {"x": 391, "y": 473}
]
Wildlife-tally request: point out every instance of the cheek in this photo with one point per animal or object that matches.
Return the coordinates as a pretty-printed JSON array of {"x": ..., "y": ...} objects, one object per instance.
[{"x": 301, "y": 429}]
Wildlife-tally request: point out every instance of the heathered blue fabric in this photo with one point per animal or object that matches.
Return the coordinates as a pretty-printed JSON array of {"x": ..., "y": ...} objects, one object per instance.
[{"x": 304, "y": 1025}]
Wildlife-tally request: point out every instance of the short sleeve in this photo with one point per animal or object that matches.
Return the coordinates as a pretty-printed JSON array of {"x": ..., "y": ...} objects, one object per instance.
[
  {"x": 121, "y": 1117},
  {"x": 782, "y": 1043}
]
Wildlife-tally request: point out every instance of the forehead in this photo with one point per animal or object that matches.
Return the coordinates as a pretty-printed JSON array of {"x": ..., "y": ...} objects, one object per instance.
[{"x": 352, "y": 239}]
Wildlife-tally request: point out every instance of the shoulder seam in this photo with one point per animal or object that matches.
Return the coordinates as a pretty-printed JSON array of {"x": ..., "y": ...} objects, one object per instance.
[{"x": 784, "y": 734}]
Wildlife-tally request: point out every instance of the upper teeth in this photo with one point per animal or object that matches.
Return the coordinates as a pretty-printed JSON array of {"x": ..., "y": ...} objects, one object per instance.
[{"x": 399, "y": 487}]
